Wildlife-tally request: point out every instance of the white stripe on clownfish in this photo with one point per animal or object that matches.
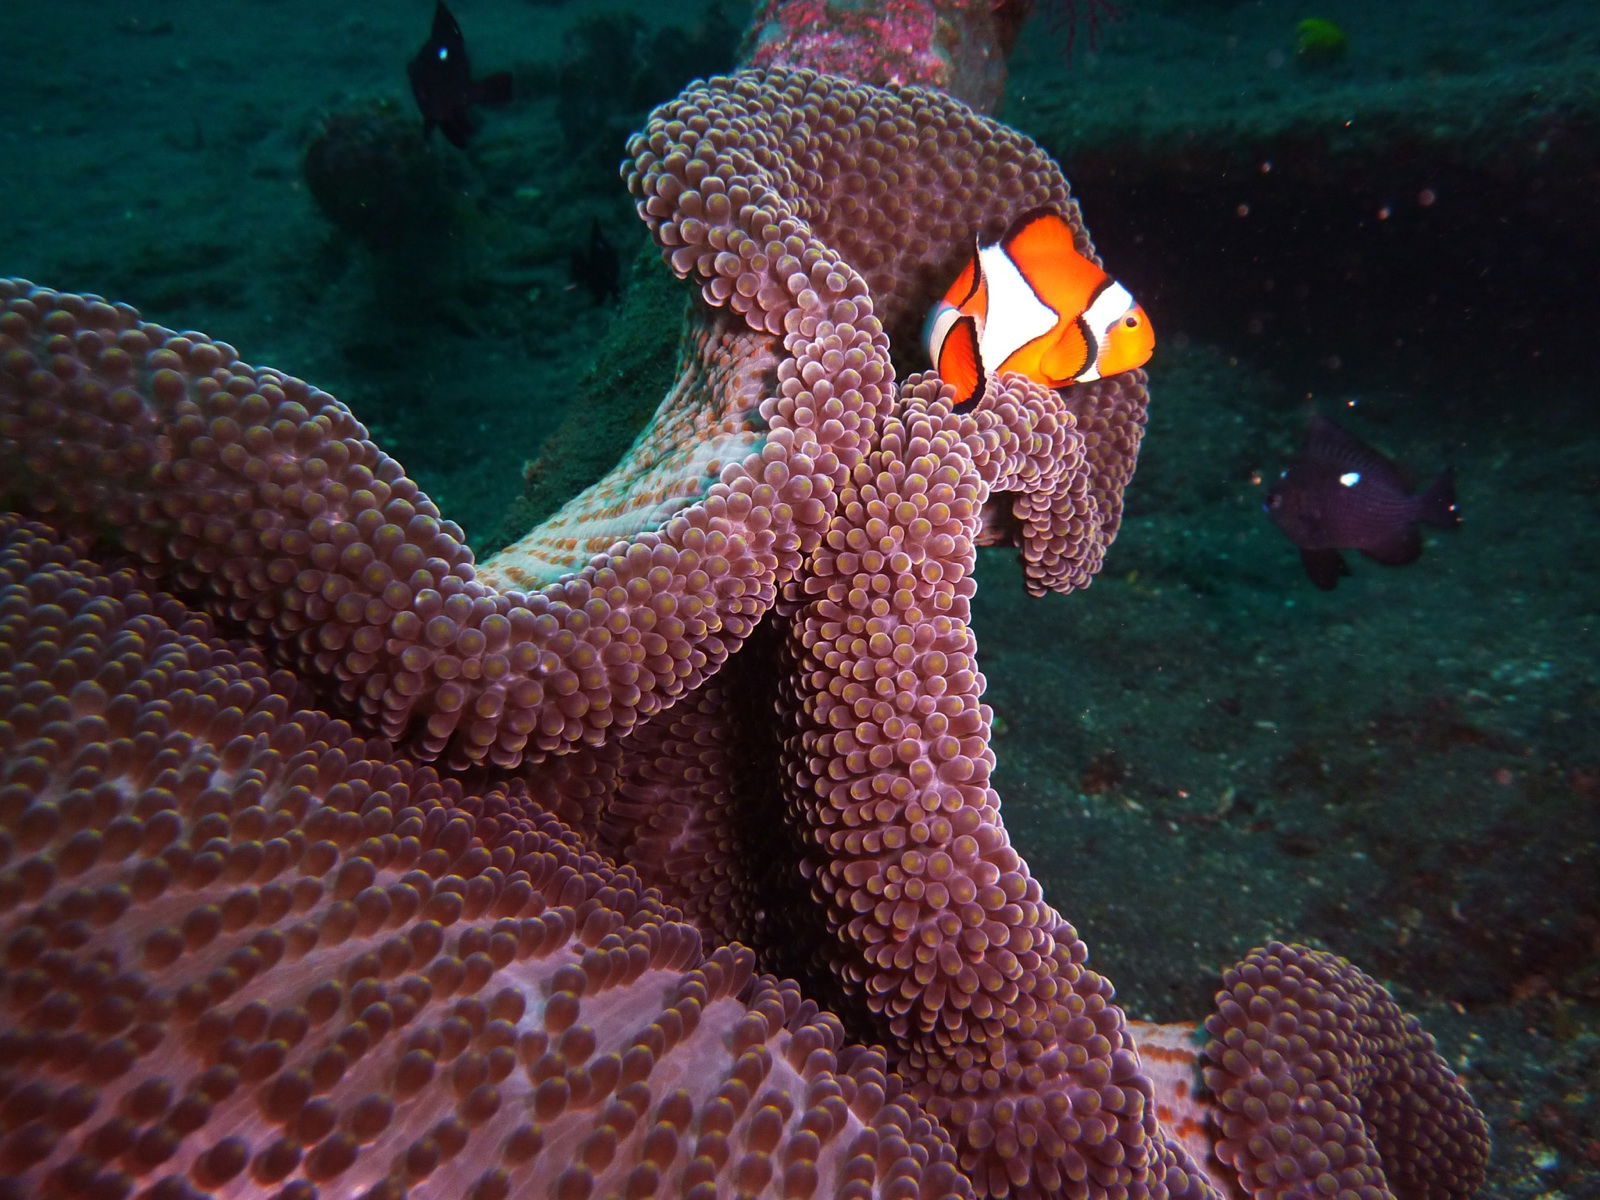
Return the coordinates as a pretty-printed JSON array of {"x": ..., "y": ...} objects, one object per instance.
[{"x": 1016, "y": 314}]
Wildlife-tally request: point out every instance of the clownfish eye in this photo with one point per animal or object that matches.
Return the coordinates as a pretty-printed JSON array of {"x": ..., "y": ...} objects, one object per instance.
[{"x": 1130, "y": 321}]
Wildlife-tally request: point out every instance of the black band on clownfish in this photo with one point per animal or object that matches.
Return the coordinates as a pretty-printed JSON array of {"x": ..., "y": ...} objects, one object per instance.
[{"x": 1032, "y": 304}]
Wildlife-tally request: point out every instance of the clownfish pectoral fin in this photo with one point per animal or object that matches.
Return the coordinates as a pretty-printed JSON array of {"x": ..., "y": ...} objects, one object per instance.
[
  {"x": 959, "y": 364},
  {"x": 1069, "y": 357}
]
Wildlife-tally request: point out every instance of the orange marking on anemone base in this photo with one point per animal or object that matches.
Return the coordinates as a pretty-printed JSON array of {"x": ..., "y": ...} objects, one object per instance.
[{"x": 1170, "y": 1055}]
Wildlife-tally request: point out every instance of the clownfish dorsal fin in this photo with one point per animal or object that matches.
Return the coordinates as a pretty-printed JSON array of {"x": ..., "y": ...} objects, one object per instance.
[
  {"x": 960, "y": 365},
  {"x": 1039, "y": 232},
  {"x": 1042, "y": 245}
]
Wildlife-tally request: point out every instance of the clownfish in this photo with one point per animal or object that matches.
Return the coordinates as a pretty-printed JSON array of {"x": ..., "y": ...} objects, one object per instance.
[{"x": 1030, "y": 303}]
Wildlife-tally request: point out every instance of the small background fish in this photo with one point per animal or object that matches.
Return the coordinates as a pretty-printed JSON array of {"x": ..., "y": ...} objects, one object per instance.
[
  {"x": 1341, "y": 494},
  {"x": 595, "y": 267},
  {"x": 441, "y": 81}
]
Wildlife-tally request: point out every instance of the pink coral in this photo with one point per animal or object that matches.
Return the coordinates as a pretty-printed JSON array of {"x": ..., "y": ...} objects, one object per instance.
[
  {"x": 250, "y": 488},
  {"x": 956, "y": 46},
  {"x": 246, "y": 950},
  {"x": 1323, "y": 1086}
]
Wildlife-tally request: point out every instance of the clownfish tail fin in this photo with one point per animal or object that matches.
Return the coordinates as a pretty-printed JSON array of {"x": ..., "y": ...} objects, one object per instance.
[{"x": 960, "y": 365}]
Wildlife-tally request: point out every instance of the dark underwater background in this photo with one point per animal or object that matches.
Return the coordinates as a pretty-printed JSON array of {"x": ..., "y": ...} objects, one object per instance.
[{"x": 1392, "y": 219}]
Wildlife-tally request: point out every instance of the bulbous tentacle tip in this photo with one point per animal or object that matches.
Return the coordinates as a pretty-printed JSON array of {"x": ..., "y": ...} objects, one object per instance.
[{"x": 1317, "y": 1075}]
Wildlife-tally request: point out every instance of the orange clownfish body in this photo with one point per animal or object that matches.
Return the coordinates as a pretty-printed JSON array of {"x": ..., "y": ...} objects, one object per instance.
[{"x": 1030, "y": 303}]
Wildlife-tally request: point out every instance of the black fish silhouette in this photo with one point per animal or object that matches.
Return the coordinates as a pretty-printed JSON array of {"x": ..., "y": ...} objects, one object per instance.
[
  {"x": 441, "y": 80},
  {"x": 1341, "y": 494},
  {"x": 595, "y": 267}
]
